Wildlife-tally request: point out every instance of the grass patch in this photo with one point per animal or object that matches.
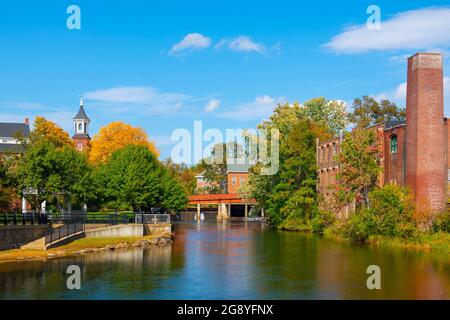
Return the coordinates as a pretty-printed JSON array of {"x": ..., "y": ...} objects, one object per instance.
[
  {"x": 439, "y": 242},
  {"x": 436, "y": 242},
  {"x": 71, "y": 248}
]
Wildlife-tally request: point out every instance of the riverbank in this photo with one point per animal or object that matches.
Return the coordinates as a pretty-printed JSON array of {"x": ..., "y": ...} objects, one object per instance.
[
  {"x": 84, "y": 246},
  {"x": 439, "y": 242},
  {"x": 424, "y": 241}
]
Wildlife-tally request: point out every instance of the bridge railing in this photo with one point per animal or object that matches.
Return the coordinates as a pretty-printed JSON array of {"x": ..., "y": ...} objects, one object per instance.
[
  {"x": 151, "y": 218},
  {"x": 63, "y": 231},
  {"x": 109, "y": 219}
]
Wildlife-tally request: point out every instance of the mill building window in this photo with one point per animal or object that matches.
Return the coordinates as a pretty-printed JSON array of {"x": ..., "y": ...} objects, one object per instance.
[{"x": 394, "y": 144}]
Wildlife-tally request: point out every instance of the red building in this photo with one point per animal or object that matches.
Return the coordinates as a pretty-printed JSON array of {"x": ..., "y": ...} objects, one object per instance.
[
  {"x": 412, "y": 153},
  {"x": 237, "y": 176}
]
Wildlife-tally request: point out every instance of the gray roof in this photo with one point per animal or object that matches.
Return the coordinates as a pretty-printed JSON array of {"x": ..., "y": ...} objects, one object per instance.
[
  {"x": 238, "y": 168},
  {"x": 393, "y": 123},
  {"x": 10, "y": 130},
  {"x": 81, "y": 115},
  {"x": 11, "y": 148}
]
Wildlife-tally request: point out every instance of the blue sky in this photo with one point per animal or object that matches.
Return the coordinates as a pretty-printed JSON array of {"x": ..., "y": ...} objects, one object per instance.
[{"x": 161, "y": 65}]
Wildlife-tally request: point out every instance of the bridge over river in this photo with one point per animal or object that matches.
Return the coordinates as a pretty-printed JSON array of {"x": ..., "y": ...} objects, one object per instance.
[{"x": 228, "y": 206}]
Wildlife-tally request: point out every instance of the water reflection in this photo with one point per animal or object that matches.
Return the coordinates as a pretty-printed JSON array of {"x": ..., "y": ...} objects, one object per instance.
[{"x": 234, "y": 261}]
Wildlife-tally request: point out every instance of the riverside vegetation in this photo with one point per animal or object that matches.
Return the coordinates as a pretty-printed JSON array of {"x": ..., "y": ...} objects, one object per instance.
[{"x": 383, "y": 215}]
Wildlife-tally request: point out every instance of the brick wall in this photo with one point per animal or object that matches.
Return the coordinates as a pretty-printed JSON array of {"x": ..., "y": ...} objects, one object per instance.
[{"x": 426, "y": 167}]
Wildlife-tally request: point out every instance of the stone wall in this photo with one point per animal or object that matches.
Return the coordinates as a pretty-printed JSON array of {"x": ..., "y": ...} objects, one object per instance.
[{"x": 13, "y": 237}]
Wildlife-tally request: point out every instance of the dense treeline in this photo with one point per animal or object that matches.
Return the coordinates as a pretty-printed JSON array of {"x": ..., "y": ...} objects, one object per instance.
[
  {"x": 290, "y": 196},
  {"x": 129, "y": 177}
]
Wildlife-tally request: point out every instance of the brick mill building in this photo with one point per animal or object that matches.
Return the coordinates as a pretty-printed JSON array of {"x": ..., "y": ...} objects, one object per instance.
[{"x": 413, "y": 153}]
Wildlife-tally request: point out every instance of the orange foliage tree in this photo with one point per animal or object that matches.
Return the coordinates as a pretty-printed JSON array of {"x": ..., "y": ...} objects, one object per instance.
[
  {"x": 115, "y": 136},
  {"x": 48, "y": 130}
]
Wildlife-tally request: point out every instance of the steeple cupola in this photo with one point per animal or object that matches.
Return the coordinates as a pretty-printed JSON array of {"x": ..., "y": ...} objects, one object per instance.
[{"x": 81, "y": 128}]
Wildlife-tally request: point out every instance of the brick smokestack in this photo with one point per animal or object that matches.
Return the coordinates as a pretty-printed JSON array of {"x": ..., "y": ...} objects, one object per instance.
[
  {"x": 426, "y": 167},
  {"x": 27, "y": 121}
]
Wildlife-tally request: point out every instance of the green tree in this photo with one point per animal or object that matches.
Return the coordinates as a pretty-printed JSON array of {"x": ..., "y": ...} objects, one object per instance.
[
  {"x": 132, "y": 178},
  {"x": 330, "y": 114},
  {"x": 184, "y": 174},
  {"x": 46, "y": 171},
  {"x": 174, "y": 196},
  {"x": 289, "y": 196},
  {"x": 135, "y": 179},
  {"x": 7, "y": 189},
  {"x": 359, "y": 168},
  {"x": 367, "y": 111}
]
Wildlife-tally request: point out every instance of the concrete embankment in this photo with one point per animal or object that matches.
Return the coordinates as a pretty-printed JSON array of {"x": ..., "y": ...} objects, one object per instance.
[
  {"x": 127, "y": 230},
  {"x": 86, "y": 246},
  {"x": 12, "y": 237}
]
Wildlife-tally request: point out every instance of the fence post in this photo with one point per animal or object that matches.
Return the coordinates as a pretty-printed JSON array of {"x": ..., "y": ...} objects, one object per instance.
[
  {"x": 24, "y": 219},
  {"x": 15, "y": 218},
  {"x": 32, "y": 218},
  {"x": 6, "y": 219}
]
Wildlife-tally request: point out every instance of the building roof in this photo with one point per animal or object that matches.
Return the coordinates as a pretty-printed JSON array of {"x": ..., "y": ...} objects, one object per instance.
[
  {"x": 393, "y": 123},
  {"x": 10, "y": 130},
  {"x": 11, "y": 148},
  {"x": 386, "y": 125},
  {"x": 244, "y": 168},
  {"x": 81, "y": 115}
]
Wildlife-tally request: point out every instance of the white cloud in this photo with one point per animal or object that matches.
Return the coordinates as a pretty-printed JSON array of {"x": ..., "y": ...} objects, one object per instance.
[
  {"x": 136, "y": 100},
  {"x": 212, "y": 105},
  {"x": 398, "y": 95},
  {"x": 400, "y": 92},
  {"x": 243, "y": 44},
  {"x": 192, "y": 41},
  {"x": 417, "y": 29},
  {"x": 258, "y": 109}
]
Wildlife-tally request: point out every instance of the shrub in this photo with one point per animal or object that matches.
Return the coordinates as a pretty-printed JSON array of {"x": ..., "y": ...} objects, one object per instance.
[
  {"x": 390, "y": 214},
  {"x": 360, "y": 225},
  {"x": 322, "y": 220},
  {"x": 442, "y": 222}
]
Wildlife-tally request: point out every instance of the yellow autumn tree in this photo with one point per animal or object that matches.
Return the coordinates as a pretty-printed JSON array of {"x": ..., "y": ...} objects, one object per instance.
[
  {"x": 48, "y": 130},
  {"x": 115, "y": 136}
]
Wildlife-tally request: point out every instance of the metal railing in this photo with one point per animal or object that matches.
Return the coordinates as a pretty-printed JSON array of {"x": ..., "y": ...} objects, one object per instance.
[
  {"x": 23, "y": 218},
  {"x": 151, "y": 218},
  {"x": 63, "y": 231},
  {"x": 58, "y": 218},
  {"x": 109, "y": 219}
]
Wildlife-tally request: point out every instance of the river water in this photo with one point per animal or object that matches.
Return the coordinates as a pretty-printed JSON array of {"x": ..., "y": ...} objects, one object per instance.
[{"x": 234, "y": 261}]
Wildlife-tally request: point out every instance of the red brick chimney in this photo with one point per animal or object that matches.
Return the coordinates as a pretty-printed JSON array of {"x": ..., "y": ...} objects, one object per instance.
[
  {"x": 27, "y": 121},
  {"x": 426, "y": 167}
]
